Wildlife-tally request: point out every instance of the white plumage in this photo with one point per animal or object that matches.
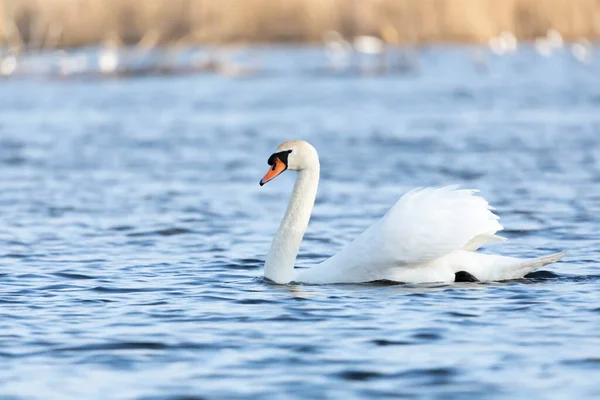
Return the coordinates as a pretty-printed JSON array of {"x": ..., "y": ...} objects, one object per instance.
[{"x": 429, "y": 235}]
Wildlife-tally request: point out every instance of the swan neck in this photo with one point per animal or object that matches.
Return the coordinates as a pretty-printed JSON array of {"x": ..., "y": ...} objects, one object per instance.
[{"x": 279, "y": 266}]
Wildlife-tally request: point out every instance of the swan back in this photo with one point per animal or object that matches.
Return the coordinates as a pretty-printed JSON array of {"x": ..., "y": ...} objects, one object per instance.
[{"x": 424, "y": 225}]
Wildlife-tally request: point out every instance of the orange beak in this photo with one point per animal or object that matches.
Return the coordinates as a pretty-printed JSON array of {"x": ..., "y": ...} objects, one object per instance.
[{"x": 277, "y": 168}]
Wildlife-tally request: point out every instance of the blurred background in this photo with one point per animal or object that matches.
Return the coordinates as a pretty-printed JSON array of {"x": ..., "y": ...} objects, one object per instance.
[
  {"x": 133, "y": 230},
  {"x": 124, "y": 37}
]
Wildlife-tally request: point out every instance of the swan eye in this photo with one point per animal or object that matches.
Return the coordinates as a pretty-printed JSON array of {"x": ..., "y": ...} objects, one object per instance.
[{"x": 282, "y": 155}]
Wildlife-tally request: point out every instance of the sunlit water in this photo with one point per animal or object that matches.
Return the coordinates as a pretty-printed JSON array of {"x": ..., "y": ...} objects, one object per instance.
[{"x": 133, "y": 232}]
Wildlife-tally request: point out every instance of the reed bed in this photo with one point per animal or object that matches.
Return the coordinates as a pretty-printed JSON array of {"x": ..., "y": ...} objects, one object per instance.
[{"x": 72, "y": 23}]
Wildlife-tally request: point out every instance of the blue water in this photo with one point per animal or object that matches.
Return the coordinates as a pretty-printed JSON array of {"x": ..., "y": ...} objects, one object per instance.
[{"x": 133, "y": 232}]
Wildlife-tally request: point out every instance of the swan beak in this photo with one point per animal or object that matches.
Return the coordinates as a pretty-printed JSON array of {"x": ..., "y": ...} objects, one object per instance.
[{"x": 277, "y": 168}]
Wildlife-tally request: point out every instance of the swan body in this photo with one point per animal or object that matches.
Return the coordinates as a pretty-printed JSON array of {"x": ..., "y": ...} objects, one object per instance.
[{"x": 428, "y": 236}]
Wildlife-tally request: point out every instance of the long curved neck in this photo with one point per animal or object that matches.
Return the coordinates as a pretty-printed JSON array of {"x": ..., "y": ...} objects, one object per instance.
[{"x": 279, "y": 266}]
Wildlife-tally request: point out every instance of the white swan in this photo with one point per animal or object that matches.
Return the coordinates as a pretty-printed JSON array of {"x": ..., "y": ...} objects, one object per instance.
[{"x": 429, "y": 235}]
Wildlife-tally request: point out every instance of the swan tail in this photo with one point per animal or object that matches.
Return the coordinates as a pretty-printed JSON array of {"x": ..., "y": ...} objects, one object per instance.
[
  {"x": 528, "y": 266},
  {"x": 490, "y": 267}
]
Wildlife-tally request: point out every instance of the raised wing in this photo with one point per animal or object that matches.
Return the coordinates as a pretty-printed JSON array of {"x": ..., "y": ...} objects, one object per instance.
[
  {"x": 428, "y": 223},
  {"x": 425, "y": 224}
]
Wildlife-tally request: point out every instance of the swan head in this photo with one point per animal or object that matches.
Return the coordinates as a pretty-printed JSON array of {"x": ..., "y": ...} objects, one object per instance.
[{"x": 295, "y": 155}]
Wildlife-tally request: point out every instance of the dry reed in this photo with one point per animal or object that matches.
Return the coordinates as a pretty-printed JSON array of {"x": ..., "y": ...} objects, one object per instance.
[{"x": 68, "y": 23}]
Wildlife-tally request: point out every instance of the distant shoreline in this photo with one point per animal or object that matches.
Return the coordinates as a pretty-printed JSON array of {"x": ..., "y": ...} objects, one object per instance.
[{"x": 73, "y": 23}]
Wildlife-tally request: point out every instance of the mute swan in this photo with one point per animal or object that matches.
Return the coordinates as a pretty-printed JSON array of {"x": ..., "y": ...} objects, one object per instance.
[
  {"x": 504, "y": 43},
  {"x": 429, "y": 235},
  {"x": 337, "y": 50}
]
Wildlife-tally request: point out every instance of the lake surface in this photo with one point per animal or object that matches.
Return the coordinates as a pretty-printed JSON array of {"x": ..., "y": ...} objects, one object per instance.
[{"x": 133, "y": 231}]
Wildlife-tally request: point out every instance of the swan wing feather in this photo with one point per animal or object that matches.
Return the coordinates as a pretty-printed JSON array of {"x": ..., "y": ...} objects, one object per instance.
[
  {"x": 428, "y": 223},
  {"x": 424, "y": 225}
]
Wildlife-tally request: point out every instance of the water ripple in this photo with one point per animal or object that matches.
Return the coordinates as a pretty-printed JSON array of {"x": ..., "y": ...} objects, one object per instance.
[{"x": 134, "y": 233}]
